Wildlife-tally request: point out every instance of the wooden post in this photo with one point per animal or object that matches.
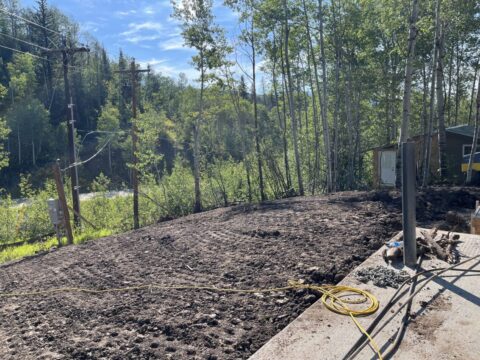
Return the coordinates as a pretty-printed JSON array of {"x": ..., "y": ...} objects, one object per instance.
[
  {"x": 475, "y": 220},
  {"x": 63, "y": 202},
  {"x": 133, "y": 74},
  {"x": 67, "y": 55}
]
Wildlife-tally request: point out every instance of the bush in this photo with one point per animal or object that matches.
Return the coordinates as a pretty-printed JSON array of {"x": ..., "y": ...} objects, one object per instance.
[{"x": 112, "y": 213}]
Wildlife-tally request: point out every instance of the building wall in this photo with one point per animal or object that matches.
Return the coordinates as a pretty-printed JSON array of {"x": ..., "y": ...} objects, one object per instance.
[
  {"x": 454, "y": 156},
  {"x": 455, "y": 144},
  {"x": 418, "y": 140}
]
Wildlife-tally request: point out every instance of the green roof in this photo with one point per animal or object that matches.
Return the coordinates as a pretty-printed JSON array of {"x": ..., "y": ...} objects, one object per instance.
[{"x": 465, "y": 130}]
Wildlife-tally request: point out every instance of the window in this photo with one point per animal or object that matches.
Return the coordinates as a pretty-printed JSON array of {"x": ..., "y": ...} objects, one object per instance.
[{"x": 467, "y": 148}]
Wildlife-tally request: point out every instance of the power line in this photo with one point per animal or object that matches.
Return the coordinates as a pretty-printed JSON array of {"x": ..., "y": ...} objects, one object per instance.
[
  {"x": 92, "y": 157},
  {"x": 74, "y": 67},
  {"x": 24, "y": 52},
  {"x": 24, "y": 41},
  {"x": 28, "y": 21},
  {"x": 33, "y": 23}
]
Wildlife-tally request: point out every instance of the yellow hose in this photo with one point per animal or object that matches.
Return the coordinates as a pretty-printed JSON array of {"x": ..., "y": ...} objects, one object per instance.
[{"x": 334, "y": 297}]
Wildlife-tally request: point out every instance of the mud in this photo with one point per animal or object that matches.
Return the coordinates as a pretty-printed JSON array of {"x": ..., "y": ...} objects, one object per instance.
[{"x": 318, "y": 239}]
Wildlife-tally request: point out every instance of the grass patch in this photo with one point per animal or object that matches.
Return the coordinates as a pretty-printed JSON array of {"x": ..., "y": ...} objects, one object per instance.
[
  {"x": 20, "y": 252},
  {"x": 172, "y": 197}
]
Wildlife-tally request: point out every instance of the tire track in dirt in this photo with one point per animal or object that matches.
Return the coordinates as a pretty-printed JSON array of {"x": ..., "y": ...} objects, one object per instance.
[{"x": 319, "y": 239}]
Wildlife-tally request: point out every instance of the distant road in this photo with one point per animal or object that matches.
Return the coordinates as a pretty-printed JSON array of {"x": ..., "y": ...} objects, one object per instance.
[{"x": 87, "y": 196}]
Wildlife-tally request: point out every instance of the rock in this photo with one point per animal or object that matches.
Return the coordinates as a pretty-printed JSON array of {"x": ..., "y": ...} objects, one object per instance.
[
  {"x": 229, "y": 275},
  {"x": 318, "y": 276},
  {"x": 382, "y": 276},
  {"x": 310, "y": 298},
  {"x": 282, "y": 301},
  {"x": 300, "y": 292},
  {"x": 170, "y": 349},
  {"x": 235, "y": 321},
  {"x": 191, "y": 350}
]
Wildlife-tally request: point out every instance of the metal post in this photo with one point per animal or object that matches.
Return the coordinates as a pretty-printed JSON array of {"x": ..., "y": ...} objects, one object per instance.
[{"x": 409, "y": 204}]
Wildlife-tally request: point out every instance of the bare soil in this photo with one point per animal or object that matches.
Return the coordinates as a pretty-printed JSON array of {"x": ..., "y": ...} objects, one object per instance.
[{"x": 319, "y": 239}]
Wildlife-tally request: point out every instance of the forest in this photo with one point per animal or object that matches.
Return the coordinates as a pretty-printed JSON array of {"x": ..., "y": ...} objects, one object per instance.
[{"x": 325, "y": 82}]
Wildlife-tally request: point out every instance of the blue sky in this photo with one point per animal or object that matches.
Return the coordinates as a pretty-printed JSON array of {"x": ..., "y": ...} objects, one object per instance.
[{"x": 141, "y": 28}]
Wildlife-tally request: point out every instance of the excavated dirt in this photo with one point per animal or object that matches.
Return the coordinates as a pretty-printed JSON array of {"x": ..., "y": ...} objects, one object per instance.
[{"x": 319, "y": 239}]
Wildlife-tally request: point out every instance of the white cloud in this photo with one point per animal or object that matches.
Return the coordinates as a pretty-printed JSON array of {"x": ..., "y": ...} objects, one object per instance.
[
  {"x": 146, "y": 31},
  {"x": 89, "y": 26},
  {"x": 162, "y": 66},
  {"x": 152, "y": 63},
  {"x": 125, "y": 13},
  {"x": 174, "y": 43},
  {"x": 137, "y": 27},
  {"x": 149, "y": 10}
]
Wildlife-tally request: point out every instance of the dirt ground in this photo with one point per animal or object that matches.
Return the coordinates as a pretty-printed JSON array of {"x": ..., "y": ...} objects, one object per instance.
[{"x": 319, "y": 239}]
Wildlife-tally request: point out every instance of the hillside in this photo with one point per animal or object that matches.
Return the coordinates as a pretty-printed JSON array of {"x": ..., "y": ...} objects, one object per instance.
[{"x": 319, "y": 239}]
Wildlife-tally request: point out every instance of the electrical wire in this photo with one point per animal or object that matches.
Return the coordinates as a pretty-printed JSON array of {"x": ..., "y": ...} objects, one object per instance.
[
  {"x": 99, "y": 132},
  {"x": 401, "y": 331},
  {"x": 362, "y": 342},
  {"x": 74, "y": 67},
  {"x": 332, "y": 296},
  {"x": 28, "y": 21},
  {"x": 24, "y": 52},
  {"x": 24, "y": 41},
  {"x": 90, "y": 158}
]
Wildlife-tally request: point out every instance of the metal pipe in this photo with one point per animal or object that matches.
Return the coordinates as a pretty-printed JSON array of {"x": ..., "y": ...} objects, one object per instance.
[{"x": 409, "y": 204}]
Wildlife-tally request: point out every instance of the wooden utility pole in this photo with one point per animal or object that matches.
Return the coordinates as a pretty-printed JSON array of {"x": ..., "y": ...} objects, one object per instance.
[
  {"x": 133, "y": 75},
  {"x": 72, "y": 156},
  {"x": 63, "y": 202}
]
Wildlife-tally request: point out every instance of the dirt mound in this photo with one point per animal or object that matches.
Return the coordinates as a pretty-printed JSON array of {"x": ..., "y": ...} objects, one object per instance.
[{"x": 319, "y": 239}]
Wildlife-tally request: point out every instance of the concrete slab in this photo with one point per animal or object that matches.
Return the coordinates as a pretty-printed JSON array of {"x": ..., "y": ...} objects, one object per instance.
[{"x": 446, "y": 323}]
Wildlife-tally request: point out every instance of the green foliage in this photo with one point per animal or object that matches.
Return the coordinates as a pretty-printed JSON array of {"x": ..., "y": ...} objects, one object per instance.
[
  {"x": 31, "y": 133},
  {"x": 100, "y": 184},
  {"x": 152, "y": 126},
  {"x": 201, "y": 34},
  {"x": 22, "y": 251},
  {"x": 365, "y": 53},
  {"x": 109, "y": 119},
  {"x": 4, "y": 131},
  {"x": 22, "y": 76}
]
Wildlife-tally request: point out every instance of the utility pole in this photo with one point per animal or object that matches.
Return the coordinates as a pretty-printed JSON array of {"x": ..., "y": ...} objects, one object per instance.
[
  {"x": 133, "y": 75},
  {"x": 72, "y": 155},
  {"x": 63, "y": 202}
]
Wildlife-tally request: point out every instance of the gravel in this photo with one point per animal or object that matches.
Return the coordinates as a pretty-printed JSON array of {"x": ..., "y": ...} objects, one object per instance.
[{"x": 382, "y": 276}]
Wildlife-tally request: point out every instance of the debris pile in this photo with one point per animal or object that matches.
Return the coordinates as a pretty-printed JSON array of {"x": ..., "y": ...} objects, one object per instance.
[
  {"x": 455, "y": 222},
  {"x": 442, "y": 246},
  {"x": 382, "y": 276}
]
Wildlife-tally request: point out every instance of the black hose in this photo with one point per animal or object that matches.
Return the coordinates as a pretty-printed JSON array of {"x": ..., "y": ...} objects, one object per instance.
[
  {"x": 363, "y": 340},
  {"x": 401, "y": 331}
]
